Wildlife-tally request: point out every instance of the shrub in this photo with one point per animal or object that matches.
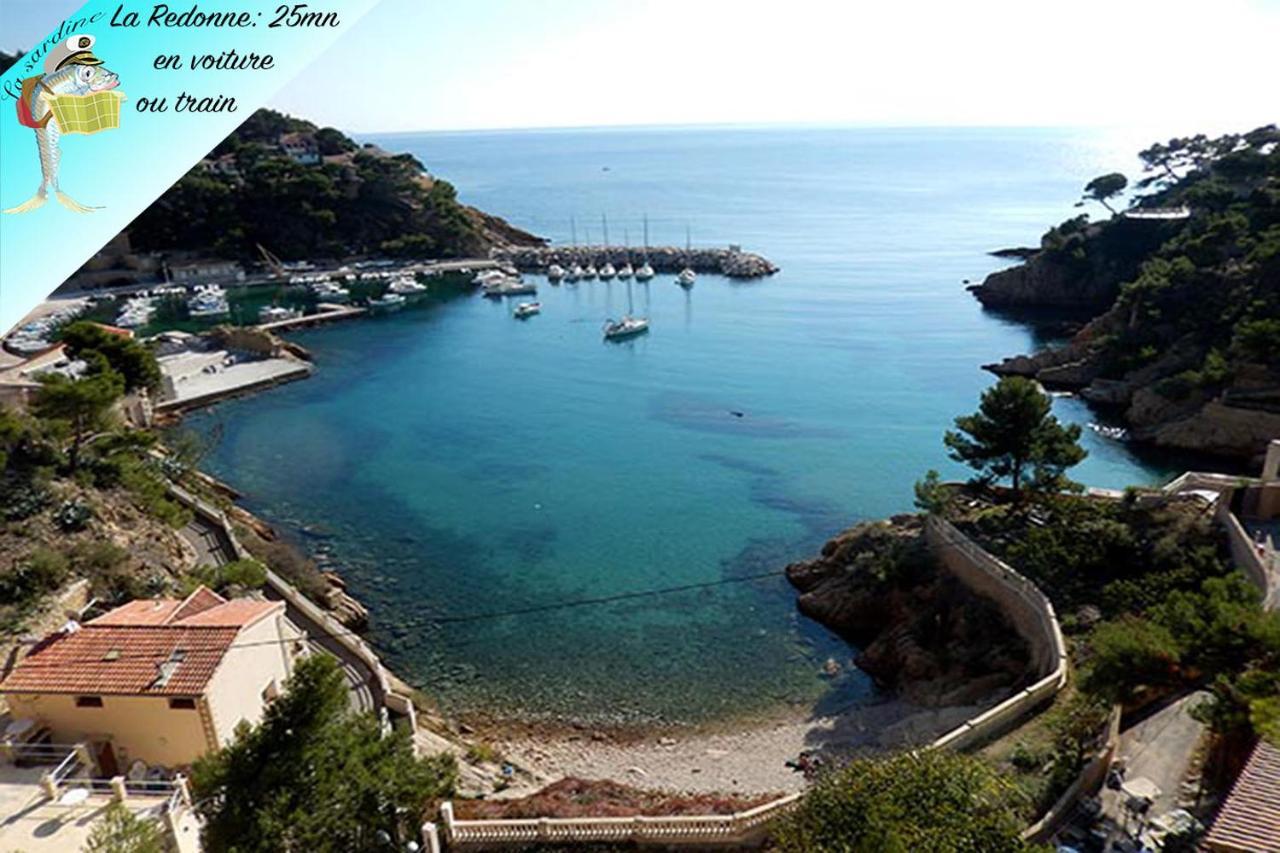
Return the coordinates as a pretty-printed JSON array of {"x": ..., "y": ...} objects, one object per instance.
[
  {"x": 71, "y": 516},
  {"x": 933, "y": 800}
]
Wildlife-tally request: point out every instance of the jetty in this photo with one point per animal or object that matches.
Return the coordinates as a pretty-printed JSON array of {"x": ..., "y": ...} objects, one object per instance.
[
  {"x": 328, "y": 313},
  {"x": 730, "y": 261}
]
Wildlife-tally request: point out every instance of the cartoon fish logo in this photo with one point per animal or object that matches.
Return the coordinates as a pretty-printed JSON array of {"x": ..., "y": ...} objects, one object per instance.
[{"x": 64, "y": 100}]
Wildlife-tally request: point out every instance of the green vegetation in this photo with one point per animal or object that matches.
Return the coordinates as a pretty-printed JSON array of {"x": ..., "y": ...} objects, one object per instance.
[
  {"x": 1208, "y": 286},
  {"x": 121, "y": 831},
  {"x": 357, "y": 201},
  {"x": 313, "y": 776},
  {"x": 78, "y": 407},
  {"x": 934, "y": 800},
  {"x": 131, "y": 359},
  {"x": 238, "y": 575},
  {"x": 1104, "y": 188},
  {"x": 1013, "y": 433}
]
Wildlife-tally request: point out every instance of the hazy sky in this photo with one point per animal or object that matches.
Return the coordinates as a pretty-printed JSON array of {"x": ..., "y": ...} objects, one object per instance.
[{"x": 1186, "y": 65}]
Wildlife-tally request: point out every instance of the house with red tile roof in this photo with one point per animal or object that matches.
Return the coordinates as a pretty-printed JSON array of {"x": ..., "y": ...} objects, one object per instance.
[
  {"x": 157, "y": 680},
  {"x": 1249, "y": 819}
]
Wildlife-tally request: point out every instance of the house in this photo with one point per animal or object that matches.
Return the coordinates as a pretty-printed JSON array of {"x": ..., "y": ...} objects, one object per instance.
[
  {"x": 208, "y": 270},
  {"x": 301, "y": 147},
  {"x": 157, "y": 680},
  {"x": 1249, "y": 819}
]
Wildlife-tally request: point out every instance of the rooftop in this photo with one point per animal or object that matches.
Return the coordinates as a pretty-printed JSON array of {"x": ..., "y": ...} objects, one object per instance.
[
  {"x": 163, "y": 647},
  {"x": 1250, "y": 816}
]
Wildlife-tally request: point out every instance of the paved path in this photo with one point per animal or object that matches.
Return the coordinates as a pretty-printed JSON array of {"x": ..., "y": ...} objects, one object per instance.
[{"x": 1160, "y": 749}]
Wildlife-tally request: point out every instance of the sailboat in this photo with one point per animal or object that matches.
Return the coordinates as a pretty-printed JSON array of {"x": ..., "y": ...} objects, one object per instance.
[
  {"x": 645, "y": 272},
  {"x": 687, "y": 276},
  {"x": 574, "y": 272},
  {"x": 607, "y": 271},
  {"x": 629, "y": 326},
  {"x": 625, "y": 271}
]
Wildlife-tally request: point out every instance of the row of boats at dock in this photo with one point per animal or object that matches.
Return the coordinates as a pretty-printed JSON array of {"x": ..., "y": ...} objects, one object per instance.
[{"x": 577, "y": 272}]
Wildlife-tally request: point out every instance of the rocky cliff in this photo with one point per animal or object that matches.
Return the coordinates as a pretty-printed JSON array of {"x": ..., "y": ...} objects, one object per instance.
[
  {"x": 1185, "y": 344},
  {"x": 921, "y": 632}
]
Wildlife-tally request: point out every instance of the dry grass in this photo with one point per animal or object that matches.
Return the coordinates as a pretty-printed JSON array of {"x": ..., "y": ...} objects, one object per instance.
[{"x": 583, "y": 798}]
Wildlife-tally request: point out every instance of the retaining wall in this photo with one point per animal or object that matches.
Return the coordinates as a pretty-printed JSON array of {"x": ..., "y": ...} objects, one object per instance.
[
  {"x": 1026, "y": 607},
  {"x": 340, "y": 633}
]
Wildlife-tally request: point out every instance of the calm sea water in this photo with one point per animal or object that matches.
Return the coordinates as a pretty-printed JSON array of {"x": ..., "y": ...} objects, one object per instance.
[{"x": 456, "y": 463}]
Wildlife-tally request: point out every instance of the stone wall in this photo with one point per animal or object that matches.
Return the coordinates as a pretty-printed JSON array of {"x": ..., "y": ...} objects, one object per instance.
[{"x": 1027, "y": 609}]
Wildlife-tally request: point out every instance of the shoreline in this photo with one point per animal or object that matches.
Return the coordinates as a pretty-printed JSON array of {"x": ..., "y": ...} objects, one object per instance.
[{"x": 731, "y": 757}]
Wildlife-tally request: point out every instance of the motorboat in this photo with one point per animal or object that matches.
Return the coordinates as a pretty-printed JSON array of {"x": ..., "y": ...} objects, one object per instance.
[
  {"x": 406, "y": 286},
  {"x": 627, "y": 327},
  {"x": 509, "y": 287},
  {"x": 527, "y": 309},
  {"x": 209, "y": 302},
  {"x": 387, "y": 302},
  {"x": 136, "y": 312},
  {"x": 327, "y": 291},
  {"x": 277, "y": 314}
]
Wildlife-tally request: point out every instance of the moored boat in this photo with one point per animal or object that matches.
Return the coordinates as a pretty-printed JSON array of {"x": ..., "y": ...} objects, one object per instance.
[
  {"x": 527, "y": 309},
  {"x": 627, "y": 327},
  {"x": 387, "y": 302}
]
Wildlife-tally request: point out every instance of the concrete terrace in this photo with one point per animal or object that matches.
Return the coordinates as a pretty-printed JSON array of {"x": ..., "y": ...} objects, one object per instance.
[{"x": 201, "y": 377}]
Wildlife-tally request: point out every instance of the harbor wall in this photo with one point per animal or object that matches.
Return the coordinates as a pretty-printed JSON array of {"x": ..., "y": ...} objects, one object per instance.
[{"x": 732, "y": 262}]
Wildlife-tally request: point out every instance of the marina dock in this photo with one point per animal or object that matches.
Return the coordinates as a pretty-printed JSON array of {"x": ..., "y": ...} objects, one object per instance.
[{"x": 329, "y": 313}]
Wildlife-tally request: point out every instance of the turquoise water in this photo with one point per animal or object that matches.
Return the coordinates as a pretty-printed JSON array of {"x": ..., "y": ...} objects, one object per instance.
[{"x": 454, "y": 462}]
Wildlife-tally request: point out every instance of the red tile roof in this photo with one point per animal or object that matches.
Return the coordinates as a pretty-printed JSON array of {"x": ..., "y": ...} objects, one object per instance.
[
  {"x": 115, "y": 660},
  {"x": 1249, "y": 819},
  {"x": 123, "y": 651},
  {"x": 197, "y": 602}
]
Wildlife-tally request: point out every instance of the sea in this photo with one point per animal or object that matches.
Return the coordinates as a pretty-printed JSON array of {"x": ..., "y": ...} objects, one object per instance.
[{"x": 549, "y": 526}]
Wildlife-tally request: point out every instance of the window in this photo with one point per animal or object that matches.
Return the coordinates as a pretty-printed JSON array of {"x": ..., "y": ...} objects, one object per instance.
[
  {"x": 88, "y": 701},
  {"x": 182, "y": 703}
]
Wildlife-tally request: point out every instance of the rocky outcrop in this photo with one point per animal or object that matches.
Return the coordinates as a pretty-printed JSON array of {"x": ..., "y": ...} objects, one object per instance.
[
  {"x": 1043, "y": 281},
  {"x": 732, "y": 261},
  {"x": 920, "y": 631},
  {"x": 497, "y": 232}
]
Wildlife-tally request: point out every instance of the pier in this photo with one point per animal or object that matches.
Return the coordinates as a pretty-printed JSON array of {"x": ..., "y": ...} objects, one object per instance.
[
  {"x": 730, "y": 261},
  {"x": 328, "y": 313}
]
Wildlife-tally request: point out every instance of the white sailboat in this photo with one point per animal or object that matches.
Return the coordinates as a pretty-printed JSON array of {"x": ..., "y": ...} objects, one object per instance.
[
  {"x": 555, "y": 272},
  {"x": 687, "y": 276},
  {"x": 607, "y": 271},
  {"x": 645, "y": 272},
  {"x": 629, "y": 326}
]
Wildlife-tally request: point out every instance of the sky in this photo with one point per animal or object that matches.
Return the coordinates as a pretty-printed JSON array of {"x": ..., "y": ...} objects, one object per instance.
[{"x": 1184, "y": 65}]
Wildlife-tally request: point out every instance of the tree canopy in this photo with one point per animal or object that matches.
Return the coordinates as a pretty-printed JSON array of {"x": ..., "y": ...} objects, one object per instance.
[
  {"x": 130, "y": 358},
  {"x": 1014, "y": 433},
  {"x": 82, "y": 405},
  {"x": 1105, "y": 187},
  {"x": 313, "y": 776},
  {"x": 933, "y": 800}
]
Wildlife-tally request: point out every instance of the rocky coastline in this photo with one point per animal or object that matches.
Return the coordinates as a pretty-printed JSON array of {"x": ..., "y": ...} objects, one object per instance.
[
  {"x": 921, "y": 633},
  {"x": 731, "y": 261}
]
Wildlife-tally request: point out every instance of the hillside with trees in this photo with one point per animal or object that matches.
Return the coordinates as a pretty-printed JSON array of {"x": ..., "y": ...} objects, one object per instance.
[
  {"x": 334, "y": 199},
  {"x": 1186, "y": 347}
]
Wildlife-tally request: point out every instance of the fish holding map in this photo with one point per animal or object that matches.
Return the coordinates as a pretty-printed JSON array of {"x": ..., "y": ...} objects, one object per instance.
[{"x": 75, "y": 94}]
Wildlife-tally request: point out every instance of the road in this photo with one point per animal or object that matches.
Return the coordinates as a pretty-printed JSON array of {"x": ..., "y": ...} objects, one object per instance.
[
  {"x": 213, "y": 548},
  {"x": 1159, "y": 748}
]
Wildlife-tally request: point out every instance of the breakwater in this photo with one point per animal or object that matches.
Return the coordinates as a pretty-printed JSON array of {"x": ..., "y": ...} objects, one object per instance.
[{"x": 730, "y": 261}]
